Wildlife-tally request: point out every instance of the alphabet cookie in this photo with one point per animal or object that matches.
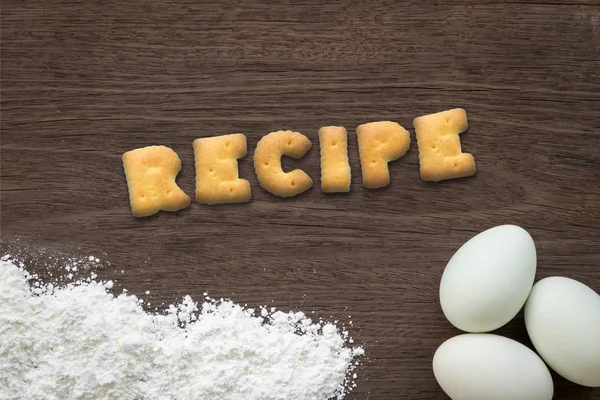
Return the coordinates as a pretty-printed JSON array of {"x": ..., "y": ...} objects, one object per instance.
[
  {"x": 267, "y": 163},
  {"x": 335, "y": 169},
  {"x": 217, "y": 175},
  {"x": 378, "y": 144},
  {"x": 150, "y": 174},
  {"x": 440, "y": 154}
]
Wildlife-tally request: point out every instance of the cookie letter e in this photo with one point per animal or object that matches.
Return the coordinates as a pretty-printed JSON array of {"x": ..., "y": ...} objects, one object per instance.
[
  {"x": 440, "y": 154},
  {"x": 217, "y": 176}
]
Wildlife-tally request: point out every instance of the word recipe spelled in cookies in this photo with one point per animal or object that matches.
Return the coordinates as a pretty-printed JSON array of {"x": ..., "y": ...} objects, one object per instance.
[{"x": 151, "y": 171}]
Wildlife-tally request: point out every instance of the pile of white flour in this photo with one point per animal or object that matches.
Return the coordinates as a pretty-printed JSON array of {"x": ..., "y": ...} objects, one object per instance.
[{"x": 78, "y": 341}]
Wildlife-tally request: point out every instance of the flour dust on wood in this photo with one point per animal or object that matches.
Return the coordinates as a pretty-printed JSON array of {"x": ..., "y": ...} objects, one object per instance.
[{"x": 79, "y": 341}]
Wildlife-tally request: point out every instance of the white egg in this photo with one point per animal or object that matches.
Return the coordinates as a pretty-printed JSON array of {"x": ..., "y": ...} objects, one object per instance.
[
  {"x": 562, "y": 317},
  {"x": 490, "y": 367},
  {"x": 488, "y": 279}
]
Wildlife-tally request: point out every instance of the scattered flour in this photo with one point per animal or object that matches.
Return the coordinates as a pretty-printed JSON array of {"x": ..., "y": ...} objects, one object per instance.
[{"x": 78, "y": 341}]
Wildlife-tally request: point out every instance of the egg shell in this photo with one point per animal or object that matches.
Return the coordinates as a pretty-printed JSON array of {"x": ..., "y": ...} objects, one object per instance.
[
  {"x": 562, "y": 317},
  {"x": 488, "y": 279},
  {"x": 490, "y": 367}
]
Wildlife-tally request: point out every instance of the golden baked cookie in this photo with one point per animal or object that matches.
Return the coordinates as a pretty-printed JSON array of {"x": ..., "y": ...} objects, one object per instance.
[
  {"x": 217, "y": 175},
  {"x": 378, "y": 144},
  {"x": 440, "y": 154},
  {"x": 335, "y": 168},
  {"x": 267, "y": 163},
  {"x": 151, "y": 173}
]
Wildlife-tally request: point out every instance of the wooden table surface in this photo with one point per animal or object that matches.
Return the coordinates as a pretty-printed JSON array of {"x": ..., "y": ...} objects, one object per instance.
[{"x": 85, "y": 81}]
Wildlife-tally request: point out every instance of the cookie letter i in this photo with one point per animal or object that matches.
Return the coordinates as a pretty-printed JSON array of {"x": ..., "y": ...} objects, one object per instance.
[{"x": 335, "y": 169}]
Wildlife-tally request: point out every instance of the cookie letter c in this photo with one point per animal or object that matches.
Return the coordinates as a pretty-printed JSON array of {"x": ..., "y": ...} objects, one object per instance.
[{"x": 267, "y": 163}]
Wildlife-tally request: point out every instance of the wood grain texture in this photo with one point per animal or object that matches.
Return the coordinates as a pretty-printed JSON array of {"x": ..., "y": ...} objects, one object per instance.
[{"x": 85, "y": 81}]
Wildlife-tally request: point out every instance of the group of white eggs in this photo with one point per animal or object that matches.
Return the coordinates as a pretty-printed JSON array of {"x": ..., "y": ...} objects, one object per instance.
[{"x": 484, "y": 285}]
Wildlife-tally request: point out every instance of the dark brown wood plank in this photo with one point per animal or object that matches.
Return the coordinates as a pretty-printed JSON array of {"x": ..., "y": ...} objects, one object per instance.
[{"x": 84, "y": 81}]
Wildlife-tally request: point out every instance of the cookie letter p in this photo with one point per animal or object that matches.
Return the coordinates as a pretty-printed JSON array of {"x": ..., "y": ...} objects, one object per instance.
[
  {"x": 267, "y": 163},
  {"x": 440, "y": 154},
  {"x": 150, "y": 173},
  {"x": 378, "y": 144}
]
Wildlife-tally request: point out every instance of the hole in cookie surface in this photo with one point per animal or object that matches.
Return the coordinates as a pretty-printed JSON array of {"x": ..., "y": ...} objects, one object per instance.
[
  {"x": 293, "y": 183},
  {"x": 333, "y": 143}
]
